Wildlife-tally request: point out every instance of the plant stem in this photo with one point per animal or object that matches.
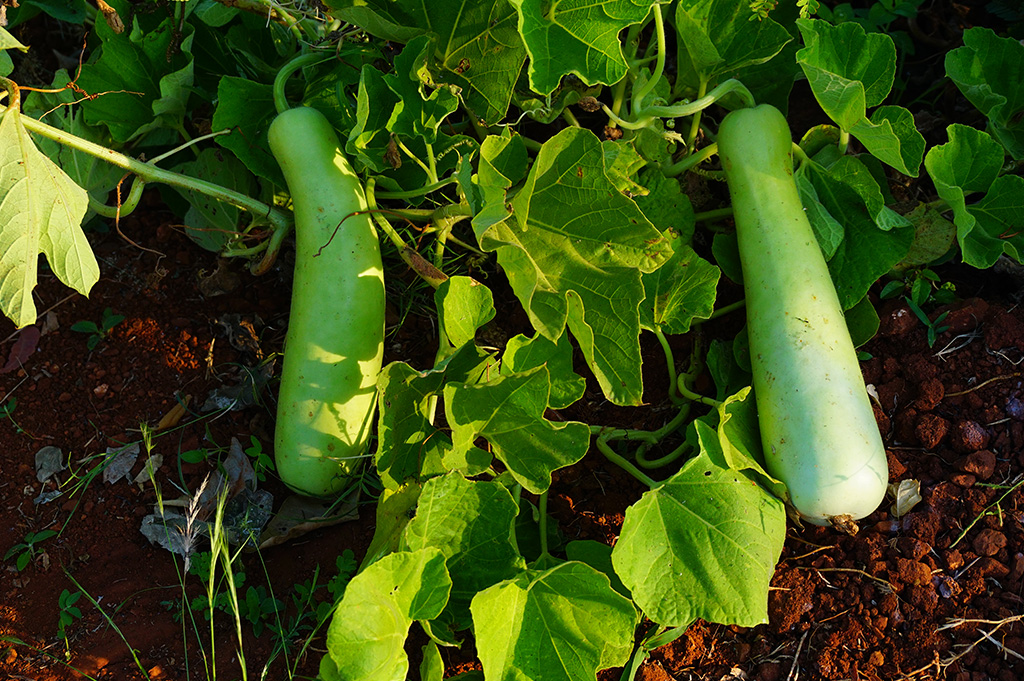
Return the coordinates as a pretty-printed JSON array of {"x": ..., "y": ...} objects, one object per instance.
[
  {"x": 691, "y": 136},
  {"x": 290, "y": 67},
  {"x": 724, "y": 310},
  {"x": 712, "y": 215},
  {"x": 690, "y": 162},
  {"x": 844, "y": 141},
  {"x": 422, "y": 191},
  {"x": 279, "y": 220},
  {"x": 542, "y": 509},
  {"x": 605, "y": 448},
  {"x": 659, "y": 67}
]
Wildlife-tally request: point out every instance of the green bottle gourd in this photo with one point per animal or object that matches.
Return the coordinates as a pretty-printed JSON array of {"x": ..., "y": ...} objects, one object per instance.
[{"x": 817, "y": 425}]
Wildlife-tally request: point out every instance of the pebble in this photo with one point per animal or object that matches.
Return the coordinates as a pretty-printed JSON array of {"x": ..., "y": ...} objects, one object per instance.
[
  {"x": 981, "y": 464},
  {"x": 64, "y": 397},
  {"x": 989, "y": 542},
  {"x": 969, "y": 436},
  {"x": 931, "y": 430}
]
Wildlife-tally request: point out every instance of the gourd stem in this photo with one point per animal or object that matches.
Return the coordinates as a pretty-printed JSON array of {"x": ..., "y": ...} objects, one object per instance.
[
  {"x": 661, "y": 462},
  {"x": 542, "y": 523},
  {"x": 290, "y": 67}
]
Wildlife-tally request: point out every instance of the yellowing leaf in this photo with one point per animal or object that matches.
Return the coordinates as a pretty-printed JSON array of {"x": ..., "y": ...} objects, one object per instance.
[{"x": 41, "y": 211}]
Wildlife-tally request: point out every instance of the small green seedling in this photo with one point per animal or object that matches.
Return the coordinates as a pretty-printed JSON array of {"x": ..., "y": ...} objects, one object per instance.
[
  {"x": 935, "y": 327},
  {"x": 262, "y": 462},
  {"x": 7, "y": 412},
  {"x": 67, "y": 614},
  {"x": 26, "y": 550},
  {"x": 98, "y": 332}
]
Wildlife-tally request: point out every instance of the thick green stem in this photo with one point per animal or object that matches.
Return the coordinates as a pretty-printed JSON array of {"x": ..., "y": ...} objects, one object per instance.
[
  {"x": 286, "y": 71},
  {"x": 278, "y": 219},
  {"x": 691, "y": 161},
  {"x": 844, "y": 141},
  {"x": 691, "y": 136}
]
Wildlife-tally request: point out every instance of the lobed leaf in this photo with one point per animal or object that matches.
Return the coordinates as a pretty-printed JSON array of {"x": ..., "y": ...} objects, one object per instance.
[{"x": 41, "y": 211}]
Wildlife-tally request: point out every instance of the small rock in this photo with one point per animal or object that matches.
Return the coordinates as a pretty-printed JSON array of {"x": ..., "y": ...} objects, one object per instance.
[
  {"x": 969, "y": 436},
  {"x": 990, "y": 567},
  {"x": 953, "y": 559},
  {"x": 989, "y": 542},
  {"x": 64, "y": 397},
  {"x": 1015, "y": 408},
  {"x": 931, "y": 430},
  {"x": 913, "y": 573},
  {"x": 929, "y": 394},
  {"x": 898, "y": 322},
  {"x": 964, "y": 480},
  {"x": 981, "y": 464},
  {"x": 914, "y": 549}
]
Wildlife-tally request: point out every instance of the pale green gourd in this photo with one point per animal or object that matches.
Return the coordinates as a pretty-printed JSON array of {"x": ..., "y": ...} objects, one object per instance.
[{"x": 817, "y": 425}]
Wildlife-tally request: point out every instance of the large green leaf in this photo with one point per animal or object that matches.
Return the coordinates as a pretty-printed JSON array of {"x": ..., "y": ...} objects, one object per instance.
[
  {"x": 718, "y": 37},
  {"x": 968, "y": 164},
  {"x": 702, "y": 545},
  {"x": 41, "y": 211},
  {"x": 573, "y": 250},
  {"x": 366, "y": 637},
  {"x": 509, "y": 412},
  {"x": 1000, "y": 224},
  {"x": 471, "y": 523},
  {"x": 561, "y": 624},
  {"x": 522, "y": 354},
  {"x": 475, "y": 43},
  {"x": 580, "y": 37},
  {"x": 408, "y": 444},
  {"x": 989, "y": 70},
  {"x": 463, "y": 306},
  {"x": 136, "y": 87},
  {"x": 848, "y": 69}
]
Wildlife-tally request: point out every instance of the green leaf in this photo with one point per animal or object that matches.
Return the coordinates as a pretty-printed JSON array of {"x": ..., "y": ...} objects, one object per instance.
[
  {"x": 934, "y": 235},
  {"x": 968, "y": 164},
  {"x": 866, "y": 252},
  {"x": 561, "y": 624},
  {"x": 848, "y": 69},
  {"x": 702, "y": 545},
  {"x": 989, "y": 70},
  {"x": 716, "y": 38},
  {"x": 598, "y": 556},
  {"x": 209, "y": 222},
  {"x": 92, "y": 174},
  {"x": 137, "y": 89},
  {"x": 418, "y": 112},
  {"x": 471, "y": 523},
  {"x": 41, "y": 211},
  {"x": 573, "y": 251},
  {"x": 475, "y": 44},
  {"x": 892, "y": 137},
  {"x": 666, "y": 206},
  {"x": 246, "y": 108},
  {"x": 509, "y": 412},
  {"x": 999, "y": 224},
  {"x": 368, "y": 140},
  {"x": 463, "y": 306},
  {"x": 682, "y": 290},
  {"x": 366, "y": 637},
  {"x": 9, "y": 42},
  {"x": 408, "y": 444},
  {"x": 523, "y": 354},
  {"x": 580, "y": 37}
]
